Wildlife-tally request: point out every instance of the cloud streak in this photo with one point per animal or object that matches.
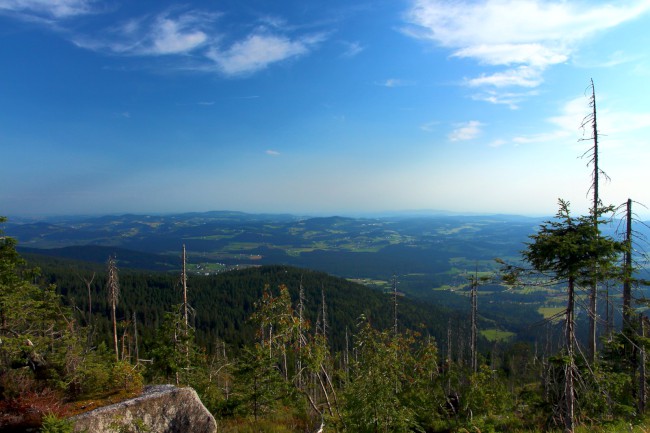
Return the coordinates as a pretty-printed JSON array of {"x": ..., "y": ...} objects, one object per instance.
[
  {"x": 257, "y": 51},
  {"x": 193, "y": 34},
  {"x": 523, "y": 37},
  {"x": 566, "y": 125},
  {"x": 47, "y": 8},
  {"x": 394, "y": 82},
  {"x": 466, "y": 131},
  {"x": 352, "y": 49},
  {"x": 163, "y": 34}
]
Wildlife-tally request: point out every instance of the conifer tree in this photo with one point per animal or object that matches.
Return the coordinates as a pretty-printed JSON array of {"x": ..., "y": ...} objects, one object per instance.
[{"x": 568, "y": 250}]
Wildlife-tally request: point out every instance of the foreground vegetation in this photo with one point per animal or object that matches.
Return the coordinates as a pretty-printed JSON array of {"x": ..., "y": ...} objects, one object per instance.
[{"x": 298, "y": 363}]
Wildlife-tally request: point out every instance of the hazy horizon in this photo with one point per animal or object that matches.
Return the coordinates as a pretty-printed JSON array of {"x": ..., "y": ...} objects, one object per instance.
[{"x": 405, "y": 213}]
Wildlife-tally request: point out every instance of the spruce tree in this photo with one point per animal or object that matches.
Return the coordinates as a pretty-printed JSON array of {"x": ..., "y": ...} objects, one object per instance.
[{"x": 571, "y": 250}]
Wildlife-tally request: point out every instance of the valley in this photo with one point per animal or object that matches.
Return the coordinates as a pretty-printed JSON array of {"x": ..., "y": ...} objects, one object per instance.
[{"x": 431, "y": 257}]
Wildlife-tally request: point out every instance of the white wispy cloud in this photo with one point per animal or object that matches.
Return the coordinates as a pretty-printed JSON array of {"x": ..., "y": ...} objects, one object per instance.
[
  {"x": 47, "y": 8},
  {"x": 164, "y": 34},
  {"x": 180, "y": 32},
  {"x": 466, "y": 131},
  {"x": 274, "y": 21},
  {"x": 429, "y": 126},
  {"x": 525, "y": 37},
  {"x": 259, "y": 50},
  {"x": 615, "y": 59},
  {"x": 511, "y": 99},
  {"x": 612, "y": 123},
  {"x": 394, "y": 82},
  {"x": 497, "y": 143},
  {"x": 171, "y": 36},
  {"x": 522, "y": 76},
  {"x": 272, "y": 152},
  {"x": 352, "y": 49}
]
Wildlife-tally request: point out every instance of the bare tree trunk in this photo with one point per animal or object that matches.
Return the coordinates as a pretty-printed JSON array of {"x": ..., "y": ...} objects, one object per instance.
[
  {"x": 346, "y": 355},
  {"x": 591, "y": 121},
  {"x": 178, "y": 376},
  {"x": 324, "y": 312},
  {"x": 185, "y": 314},
  {"x": 596, "y": 204},
  {"x": 301, "y": 342},
  {"x": 89, "y": 320},
  {"x": 113, "y": 295},
  {"x": 89, "y": 283},
  {"x": 449, "y": 353},
  {"x": 627, "y": 278},
  {"x": 461, "y": 357},
  {"x": 394, "y": 304},
  {"x": 569, "y": 394},
  {"x": 608, "y": 327},
  {"x": 642, "y": 374},
  {"x": 135, "y": 336},
  {"x": 184, "y": 282},
  {"x": 474, "y": 330},
  {"x": 592, "y": 322}
]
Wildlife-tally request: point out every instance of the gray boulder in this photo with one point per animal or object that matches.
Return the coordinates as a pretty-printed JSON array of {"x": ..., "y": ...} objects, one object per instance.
[{"x": 160, "y": 409}]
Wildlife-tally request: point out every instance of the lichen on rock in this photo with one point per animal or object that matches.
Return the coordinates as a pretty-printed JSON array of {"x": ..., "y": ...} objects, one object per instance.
[{"x": 160, "y": 409}]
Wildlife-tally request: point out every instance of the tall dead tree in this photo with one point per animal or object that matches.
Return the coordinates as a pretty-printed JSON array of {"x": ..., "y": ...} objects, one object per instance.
[
  {"x": 89, "y": 282},
  {"x": 590, "y": 123},
  {"x": 642, "y": 395},
  {"x": 113, "y": 295},
  {"x": 570, "y": 367},
  {"x": 89, "y": 320},
  {"x": 627, "y": 270},
  {"x": 322, "y": 321},
  {"x": 609, "y": 313},
  {"x": 449, "y": 342},
  {"x": 474, "y": 327},
  {"x": 301, "y": 333},
  {"x": 186, "y": 324},
  {"x": 135, "y": 337},
  {"x": 394, "y": 304},
  {"x": 184, "y": 283}
]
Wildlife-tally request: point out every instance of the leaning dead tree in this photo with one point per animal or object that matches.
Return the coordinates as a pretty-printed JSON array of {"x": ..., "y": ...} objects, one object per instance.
[{"x": 113, "y": 288}]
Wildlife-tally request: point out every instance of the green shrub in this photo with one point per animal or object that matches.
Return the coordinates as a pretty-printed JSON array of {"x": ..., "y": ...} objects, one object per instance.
[
  {"x": 125, "y": 377},
  {"x": 54, "y": 424}
]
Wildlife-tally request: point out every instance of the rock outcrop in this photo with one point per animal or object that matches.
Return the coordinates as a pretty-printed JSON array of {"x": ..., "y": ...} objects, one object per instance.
[{"x": 160, "y": 409}]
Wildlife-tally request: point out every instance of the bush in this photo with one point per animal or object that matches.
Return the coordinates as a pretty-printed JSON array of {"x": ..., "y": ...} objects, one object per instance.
[
  {"x": 54, "y": 424},
  {"x": 125, "y": 377}
]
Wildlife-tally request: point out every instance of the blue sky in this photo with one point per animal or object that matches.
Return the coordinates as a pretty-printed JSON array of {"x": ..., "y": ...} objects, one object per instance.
[{"x": 315, "y": 107}]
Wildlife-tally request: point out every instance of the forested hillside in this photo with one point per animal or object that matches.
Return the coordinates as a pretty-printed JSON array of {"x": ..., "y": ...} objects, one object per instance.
[{"x": 223, "y": 304}]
